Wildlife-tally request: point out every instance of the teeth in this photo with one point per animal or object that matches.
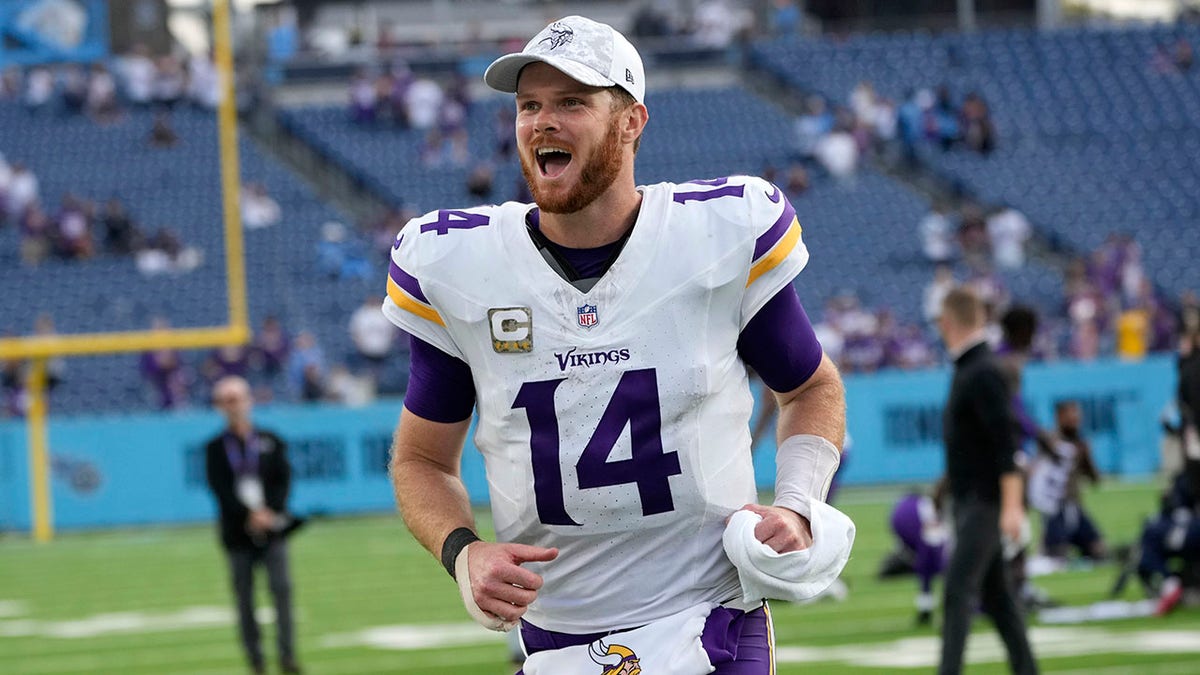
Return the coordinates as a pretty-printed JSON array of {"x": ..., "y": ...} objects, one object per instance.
[{"x": 547, "y": 150}]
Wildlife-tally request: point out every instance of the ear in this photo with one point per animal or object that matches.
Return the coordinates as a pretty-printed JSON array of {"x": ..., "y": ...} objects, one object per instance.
[{"x": 634, "y": 119}]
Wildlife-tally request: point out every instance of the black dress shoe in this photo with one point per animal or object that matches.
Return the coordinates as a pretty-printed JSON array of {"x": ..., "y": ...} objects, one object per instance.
[{"x": 291, "y": 669}]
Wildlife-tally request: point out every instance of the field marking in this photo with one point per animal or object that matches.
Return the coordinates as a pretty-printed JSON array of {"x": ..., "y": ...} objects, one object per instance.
[
  {"x": 925, "y": 652},
  {"x": 11, "y": 609},
  {"x": 112, "y": 623},
  {"x": 402, "y": 637}
]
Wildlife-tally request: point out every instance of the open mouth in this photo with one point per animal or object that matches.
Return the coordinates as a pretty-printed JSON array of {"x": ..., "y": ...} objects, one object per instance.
[{"x": 552, "y": 161}]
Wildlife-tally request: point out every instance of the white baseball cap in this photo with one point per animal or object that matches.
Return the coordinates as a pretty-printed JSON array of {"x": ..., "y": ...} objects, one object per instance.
[{"x": 587, "y": 51}]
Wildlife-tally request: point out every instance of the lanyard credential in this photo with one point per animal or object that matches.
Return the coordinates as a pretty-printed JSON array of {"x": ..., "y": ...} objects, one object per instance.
[{"x": 244, "y": 463}]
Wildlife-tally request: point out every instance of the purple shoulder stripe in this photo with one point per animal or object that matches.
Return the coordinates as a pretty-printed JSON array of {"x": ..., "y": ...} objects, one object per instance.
[
  {"x": 768, "y": 239},
  {"x": 406, "y": 281}
]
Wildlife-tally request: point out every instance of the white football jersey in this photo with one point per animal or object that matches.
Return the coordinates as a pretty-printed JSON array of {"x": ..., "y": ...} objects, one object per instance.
[{"x": 614, "y": 423}]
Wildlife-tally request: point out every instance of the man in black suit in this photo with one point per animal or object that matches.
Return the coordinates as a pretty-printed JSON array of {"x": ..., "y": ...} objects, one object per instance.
[
  {"x": 985, "y": 487},
  {"x": 249, "y": 475}
]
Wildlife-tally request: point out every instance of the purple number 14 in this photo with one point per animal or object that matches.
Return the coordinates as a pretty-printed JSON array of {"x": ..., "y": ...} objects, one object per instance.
[{"x": 634, "y": 403}]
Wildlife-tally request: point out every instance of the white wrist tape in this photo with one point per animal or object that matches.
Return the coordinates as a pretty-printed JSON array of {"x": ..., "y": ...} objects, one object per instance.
[
  {"x": 462, "y": 574},
  {"x": 804, "y": 468}
]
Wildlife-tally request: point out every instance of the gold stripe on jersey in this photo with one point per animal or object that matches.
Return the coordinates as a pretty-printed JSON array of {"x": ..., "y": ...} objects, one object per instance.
[
  {"x": 406, "y": 302},
  {"x": 777, "y": 255}
]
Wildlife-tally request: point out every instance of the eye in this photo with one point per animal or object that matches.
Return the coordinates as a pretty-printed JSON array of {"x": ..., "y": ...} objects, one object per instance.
[
  {"x": 529, "y": 105},
  {"x": 572, "y": 102}
]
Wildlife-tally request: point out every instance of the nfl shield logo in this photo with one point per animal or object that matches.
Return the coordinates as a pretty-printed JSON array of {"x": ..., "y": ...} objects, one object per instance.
[{"x": 588, "y": 316}]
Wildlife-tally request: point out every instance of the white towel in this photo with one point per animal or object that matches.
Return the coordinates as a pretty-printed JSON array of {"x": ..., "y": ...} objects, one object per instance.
[
  {"x": 794, "y": 576},
  {"x": 669, "y": 646}
]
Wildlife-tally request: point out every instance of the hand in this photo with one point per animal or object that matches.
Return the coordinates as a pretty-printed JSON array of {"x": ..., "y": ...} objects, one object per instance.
[
  {"x": 1012, "y": 521},
  {"x": 260, "y": 521},
  {"x": 782, "y": 529},
  {"x": 499, "y": 587}
]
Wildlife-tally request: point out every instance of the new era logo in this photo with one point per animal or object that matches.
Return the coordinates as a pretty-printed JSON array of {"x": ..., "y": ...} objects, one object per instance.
[{"x": 629, "y": 76}]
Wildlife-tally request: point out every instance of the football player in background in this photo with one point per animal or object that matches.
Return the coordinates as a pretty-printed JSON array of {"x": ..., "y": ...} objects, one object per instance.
[
  {"x": 1054, "y": 478},
  {"x": 603, "y": 336}
]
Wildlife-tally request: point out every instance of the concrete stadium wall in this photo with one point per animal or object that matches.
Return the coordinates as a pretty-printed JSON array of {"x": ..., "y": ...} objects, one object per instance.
[{"x": 144, "y": 469}]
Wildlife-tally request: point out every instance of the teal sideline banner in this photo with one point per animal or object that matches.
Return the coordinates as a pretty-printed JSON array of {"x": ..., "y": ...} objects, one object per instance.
[{"x": 142, "y": 469}]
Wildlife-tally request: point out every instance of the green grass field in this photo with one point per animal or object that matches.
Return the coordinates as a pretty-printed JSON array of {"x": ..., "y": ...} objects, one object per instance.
[{"x": 156, "y": 601}]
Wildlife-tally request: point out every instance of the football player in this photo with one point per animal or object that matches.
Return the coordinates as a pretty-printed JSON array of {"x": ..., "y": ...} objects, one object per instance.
[{"x": 602, "y": 336}]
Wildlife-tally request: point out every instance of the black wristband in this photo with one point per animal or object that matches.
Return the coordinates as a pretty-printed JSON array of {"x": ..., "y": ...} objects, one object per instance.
[{"x": 455, "y": 542}]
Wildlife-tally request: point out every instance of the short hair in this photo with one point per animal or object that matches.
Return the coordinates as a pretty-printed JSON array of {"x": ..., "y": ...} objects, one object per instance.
[
  {"x": 964, "y": 307},
  {"x": 1062, "y": 405},
  {"x": 1019, "y": 325},
  {"x": 622, "y": 99}
]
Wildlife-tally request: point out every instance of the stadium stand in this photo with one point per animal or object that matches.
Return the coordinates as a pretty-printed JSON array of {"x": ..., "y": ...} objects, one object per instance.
[
  {"x": 1097, "y": 134},
  {"x": 177, "y": 187}
]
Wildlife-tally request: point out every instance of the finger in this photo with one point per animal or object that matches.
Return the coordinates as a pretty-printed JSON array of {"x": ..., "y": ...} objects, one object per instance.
[
  {"x": 768, "y": 528},
  {"x": 513, "y": 595},
  {"x": 756, "y": 508},
  {"x": 519, "y": 576},
  {"x": 500, "y": 609},
  {"x": 523, "y": 553}
]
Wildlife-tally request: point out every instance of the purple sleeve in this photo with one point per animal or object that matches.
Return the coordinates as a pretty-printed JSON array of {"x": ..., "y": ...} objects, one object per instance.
[
  {"x": 1029, "y": 428},
  {"x": 440, "y": 387},
  {"x": 779, "y": 342}
]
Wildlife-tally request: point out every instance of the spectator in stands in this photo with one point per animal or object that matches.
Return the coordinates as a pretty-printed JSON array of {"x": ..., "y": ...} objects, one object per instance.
[
  {"x": 363, "y": 98},
  {"x": 372, "y": 335},
  {"x": 480, "y": 183},
  {"x": 812, "y": 126},
  {"x": 1182, "y": 55},
  {"x": 24, "y": 191},
  {"x": 164, "y": 252},
  {"x": 648, "y": 22},
  {"x": 5, "y": 182},
  {"x": 340, "y": 255},
  {"x": 973, "y": 237},
  {"x": 863, "y": 101},
  {"x": 56, "y": 367},
  {"x": 1008, "y": 230},
  {"x": 137, "y": 76},
  {"x": 74, "y": 89},
  {"x": 39, "y": 89},
  {"x": 796, "y": 182},
  {"x": 36, "y": 230},
  {"x": 1189, "y": 313},
  {"x": 943, "y": 119},
  {"x": 258, "y": 208},
  {"x": 121, "y": 235},
  {"x": 14, "y": 399},
  {"x": 101, "y": 102},
  {"x": 423, "y": 102},
  {"x": 203, "y": 85},
  {"x": 73, "y": 236},
  {"x": 716, "y": 24},
  {"x": 937, "y": 234},
  {"x": 306, "y": 368},
  {"x": 162, "y": 134},
  {"x": 910, "y": 122},
  {"x": 271, "y": 346},
  {"x": 837, "y": 152},
  {"x": 935, "y": 292},
  {"x": 345, "y": 388},
  {"x": 170, "y": 81},
  {"x": 164, "y": 371},
  {"x": 10, "y": 83},
  {"x": 786, "y": 18},
  {"x": 226, "y": 361},
  {"x": 978, "y": 131}
]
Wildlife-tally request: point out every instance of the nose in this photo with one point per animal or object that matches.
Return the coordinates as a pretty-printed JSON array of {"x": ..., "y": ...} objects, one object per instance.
[{"x": 544, "y": 121}]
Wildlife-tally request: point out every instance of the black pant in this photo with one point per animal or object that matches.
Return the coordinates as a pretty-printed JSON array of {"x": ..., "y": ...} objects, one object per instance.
[
  {"x": 241, "y": 567},
  {"x": 977, "y": 570}
]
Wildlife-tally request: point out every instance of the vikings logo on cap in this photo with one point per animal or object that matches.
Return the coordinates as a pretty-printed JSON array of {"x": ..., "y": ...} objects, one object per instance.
[
  {"x": 615, "y": 659},
  {"x": 560, "y": 34},
  {"x": 588, "y": 316}
]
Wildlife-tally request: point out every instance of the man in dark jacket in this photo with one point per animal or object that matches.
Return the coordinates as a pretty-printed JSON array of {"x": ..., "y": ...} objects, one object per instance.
[
  {"x": 249, "y": 475},
  {"x": 985, "y": 487}
]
